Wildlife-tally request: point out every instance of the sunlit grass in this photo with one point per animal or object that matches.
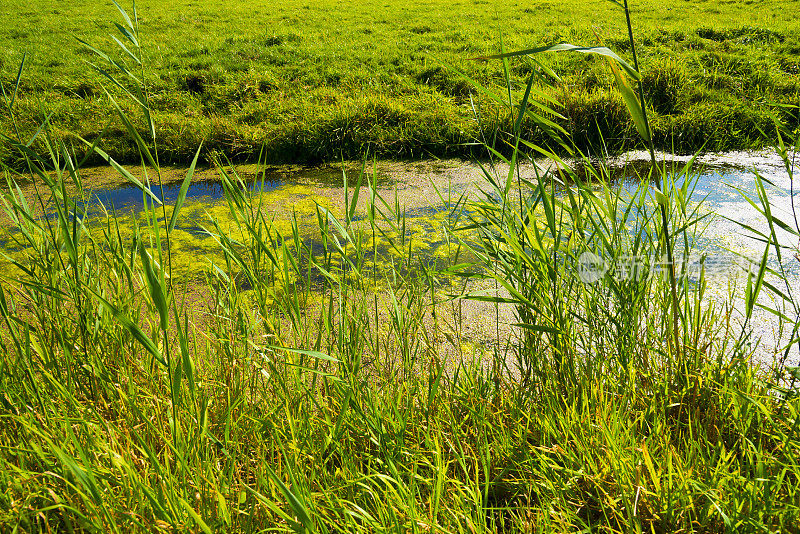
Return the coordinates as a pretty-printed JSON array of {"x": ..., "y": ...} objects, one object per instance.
[
  {"x": 311, "y": 81},
  {"x": 347, "y": 367}
]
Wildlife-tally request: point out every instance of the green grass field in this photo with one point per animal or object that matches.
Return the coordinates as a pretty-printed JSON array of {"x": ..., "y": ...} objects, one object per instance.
[{"x": 317, "y": 80}]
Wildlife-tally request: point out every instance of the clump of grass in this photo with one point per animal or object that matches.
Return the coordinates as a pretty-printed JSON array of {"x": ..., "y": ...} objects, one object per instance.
[{"x": 664, "y": 84}]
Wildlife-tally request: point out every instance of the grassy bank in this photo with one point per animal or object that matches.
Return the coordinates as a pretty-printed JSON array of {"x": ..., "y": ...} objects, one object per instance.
[{"x": 313, "y": 81}]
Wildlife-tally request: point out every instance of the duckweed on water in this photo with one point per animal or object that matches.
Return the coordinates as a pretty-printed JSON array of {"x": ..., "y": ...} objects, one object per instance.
[{"x": 287, "y": 210}]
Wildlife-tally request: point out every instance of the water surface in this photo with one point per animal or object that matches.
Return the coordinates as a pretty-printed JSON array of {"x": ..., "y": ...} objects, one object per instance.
[{"x": 428, "y": 190}]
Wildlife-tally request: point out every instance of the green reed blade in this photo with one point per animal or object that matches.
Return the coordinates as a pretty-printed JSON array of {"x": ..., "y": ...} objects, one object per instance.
[
  {"x": 125, "y": 48},
  {"x": 17, "y": 79},
  {"x": 129, "y": 36},
  {"x": 129, "y": 325},
  {"x": 195, "y": 516},
  {"x": 566, "y": 47},
  {"x": 632, "y": 103},
  {"x": 183, "y": 191},
  {"x": 143, "y": 149},
  {"x": 125, "y": 16},
  {"x": 123, "y": 171}
]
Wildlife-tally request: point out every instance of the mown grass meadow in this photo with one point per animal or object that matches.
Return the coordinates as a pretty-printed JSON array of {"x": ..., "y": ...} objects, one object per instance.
[{"x": 318, "y": 81}]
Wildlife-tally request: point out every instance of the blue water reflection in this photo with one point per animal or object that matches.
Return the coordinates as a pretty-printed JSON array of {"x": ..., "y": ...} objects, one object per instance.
[{"x": 132, "y": 198}]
